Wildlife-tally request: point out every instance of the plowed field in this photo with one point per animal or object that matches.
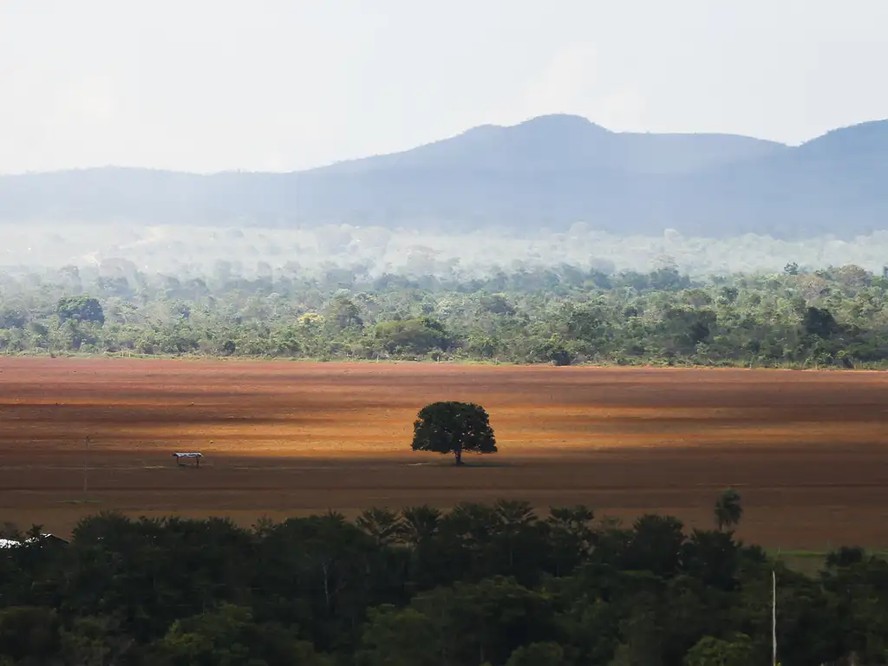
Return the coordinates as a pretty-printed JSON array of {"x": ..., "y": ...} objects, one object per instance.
[{"x": 807, "y": 450}]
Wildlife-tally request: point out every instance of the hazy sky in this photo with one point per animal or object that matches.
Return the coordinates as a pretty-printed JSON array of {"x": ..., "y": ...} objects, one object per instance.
[{"x": 278, "y": 85}]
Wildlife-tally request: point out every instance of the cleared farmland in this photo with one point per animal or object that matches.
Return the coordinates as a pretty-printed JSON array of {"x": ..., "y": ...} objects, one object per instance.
[{"x": 807, "y": 450}]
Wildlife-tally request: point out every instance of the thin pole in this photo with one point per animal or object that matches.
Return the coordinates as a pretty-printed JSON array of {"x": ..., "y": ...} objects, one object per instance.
[{"x": 773, "y": 618}]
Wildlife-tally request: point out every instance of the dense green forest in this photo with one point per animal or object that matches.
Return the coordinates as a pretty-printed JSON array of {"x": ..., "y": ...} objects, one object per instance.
[
  {"x": 478, "y": 584},
  {"x": 832, "y": 317}
]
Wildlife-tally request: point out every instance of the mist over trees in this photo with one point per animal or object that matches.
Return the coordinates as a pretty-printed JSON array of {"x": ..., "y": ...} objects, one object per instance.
[
  {"x": 87, "y": 274},
  {"x": 372, "y": 251},
  {"x": 563, "y": 315}
]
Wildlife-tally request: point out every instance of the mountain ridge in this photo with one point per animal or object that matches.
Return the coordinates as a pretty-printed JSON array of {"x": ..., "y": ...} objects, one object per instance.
[
  {"x": 471, "y": 130},
  {"x": 575, "y": 141},
  {"x": 550, "y": 171}
]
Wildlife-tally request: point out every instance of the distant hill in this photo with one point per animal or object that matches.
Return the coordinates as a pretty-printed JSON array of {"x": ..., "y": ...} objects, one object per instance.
[
  {"x": 567, "y": 143},
  {"x": 550, "y": 172}
]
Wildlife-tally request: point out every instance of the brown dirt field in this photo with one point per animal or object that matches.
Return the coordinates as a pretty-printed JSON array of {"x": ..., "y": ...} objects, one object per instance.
[{"x": 807, "y": 450}]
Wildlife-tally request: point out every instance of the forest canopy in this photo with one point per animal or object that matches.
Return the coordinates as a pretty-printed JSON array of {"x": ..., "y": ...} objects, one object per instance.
[
  {"x": 564, "y": 315},
  {"x": 495, "y": 584}
]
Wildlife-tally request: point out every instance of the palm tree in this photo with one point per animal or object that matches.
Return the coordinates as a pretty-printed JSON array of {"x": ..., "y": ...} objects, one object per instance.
[
  {"x": 513, "y": 515},
  {"x": 381, "y": 524},
  {"x": 419, "y": 524},
  {"x": 728, "y": 509}
]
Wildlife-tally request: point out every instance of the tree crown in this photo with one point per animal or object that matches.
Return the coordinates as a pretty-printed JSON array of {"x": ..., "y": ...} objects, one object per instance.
[{"x": 453, "y": 427}]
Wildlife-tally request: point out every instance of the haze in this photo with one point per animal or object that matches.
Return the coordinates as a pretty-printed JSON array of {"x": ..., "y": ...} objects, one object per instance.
[{"x": 208, "y": 86}]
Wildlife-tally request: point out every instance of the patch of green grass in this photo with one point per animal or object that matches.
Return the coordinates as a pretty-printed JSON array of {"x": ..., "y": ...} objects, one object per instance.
[{"x": 810, "y": 562}]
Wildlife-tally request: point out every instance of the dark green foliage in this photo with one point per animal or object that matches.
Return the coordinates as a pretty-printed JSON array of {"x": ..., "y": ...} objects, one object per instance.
[
  {"x": 399, "y": 637},
  {"x": 479, "y": 584},
  {"x": 845, "y": 556},
  {"x": 13, "y": 316},
  {"x": 728, "y": 509},
  {"x": 453, "y": 427},
  {"x": 571, "y": 535},
  {"x": 712, "y": 557},
  {"x": 343, "y": 315},
  {"x": 655, "y": 545},
  {"x": 834, "y": 317},
  {"x": 229, "y": 635},
  {"x": 80, "y": 308},
  {"x": 463, "y": 624},
  {"x": 382, "y": 525},
  {"x": 496, "y": 304},
  {"x": 710, "y": 651},
  {"x": 411, "y": 336},
  {"x": 538, "y": 654},
  {"x": 686, "y": 328},
  {"x": 550, "y": 351},
  {"x": 819, "y": 322},
  {"x": 29, "y": 634}
]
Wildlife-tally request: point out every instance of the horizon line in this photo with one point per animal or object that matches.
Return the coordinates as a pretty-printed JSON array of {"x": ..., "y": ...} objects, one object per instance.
[{"x": 231, "y": 171}]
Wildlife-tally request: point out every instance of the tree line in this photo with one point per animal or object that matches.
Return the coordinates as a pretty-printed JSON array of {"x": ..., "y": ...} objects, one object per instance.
[
  {"x": 478, "y": 584},
  {"x": 835, "y": 317}
]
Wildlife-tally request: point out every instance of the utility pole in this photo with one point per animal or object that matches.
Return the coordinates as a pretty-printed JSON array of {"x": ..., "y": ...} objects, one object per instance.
[{"x": 773, "y": 618}]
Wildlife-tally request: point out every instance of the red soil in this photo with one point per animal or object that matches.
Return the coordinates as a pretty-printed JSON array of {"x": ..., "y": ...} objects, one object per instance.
[{"x": 807, "y": 450}]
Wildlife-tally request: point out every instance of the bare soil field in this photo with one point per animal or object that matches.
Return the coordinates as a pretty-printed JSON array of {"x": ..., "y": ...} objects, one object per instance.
[{"x": 807, "y": 450}]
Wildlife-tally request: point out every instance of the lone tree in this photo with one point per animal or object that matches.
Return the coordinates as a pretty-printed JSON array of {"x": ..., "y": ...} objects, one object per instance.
[
  {"x": 453, "y": 427},
  {"x": 728, "y": 509}
]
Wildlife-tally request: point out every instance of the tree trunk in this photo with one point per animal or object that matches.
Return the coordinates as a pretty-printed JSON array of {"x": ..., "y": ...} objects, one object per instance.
[
  {"x": 459, "y": 456},
  {"x": 326, "y": 585}
]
